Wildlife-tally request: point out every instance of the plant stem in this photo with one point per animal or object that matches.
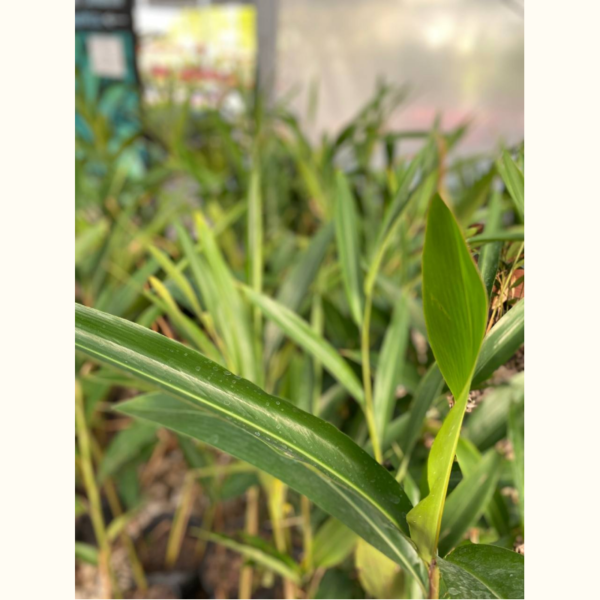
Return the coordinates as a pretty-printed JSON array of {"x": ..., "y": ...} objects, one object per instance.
[
  {"x": 180, "y": 521},
  {"x": 434, "y": 580},
  {"x": 366, "y": 371},
  {"x": 115, "y": 506},
  {"x": 89, "y": 480}
]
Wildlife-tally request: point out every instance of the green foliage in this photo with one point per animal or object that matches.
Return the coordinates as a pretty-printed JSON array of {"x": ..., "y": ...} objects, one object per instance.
[{"x": 320, "y": 309}]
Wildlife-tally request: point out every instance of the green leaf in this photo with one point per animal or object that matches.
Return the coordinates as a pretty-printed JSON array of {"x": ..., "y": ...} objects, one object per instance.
[
  {"x": 514, "y": 234},
  {"x": 496, "y": 513},
  {"x": 516, "y": 435},
  {"x": 468, "y": 501},
  {"x": 126, "y": 446},
  {"x": 186, "y": 326},
  {"x": 487, "y": 425},
  {"x": 379, "y": 576},
  {"x": 402, "y": 195},
  {"x": 482, "y": 571},
  {"x": 210, "y": 404},
  {"x": 234, "y": 313},
  {"x": 255, "y": 232},
  {"x": 175, "y": 274},
  {"x": 86, "y": 553},
  {"x": 475, "y": 196},
  {"x": 428, "y": 390},
  {"x": 489, "y": 256},
  {"x": 514, "y": 181},
  {"x": 306, "y": 337},
  {"x": 338, "y": 584},
  {"x": 81, "y": 506},
  {"x": 297, "y": 282},
  {"x": 504, "y": 339},
  {"x": 455, "y": 305},
  {"x": 332, "y": 544},
  {"x": 258, "y": 551},
  {"x": 389, "y": 367},
  {"x": 348, "y": 243},
  {"x": 90, "y": 240}
]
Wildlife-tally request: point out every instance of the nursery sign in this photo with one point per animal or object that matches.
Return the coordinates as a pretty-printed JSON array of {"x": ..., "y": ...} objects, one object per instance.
[{"x": 106, "y": 62}]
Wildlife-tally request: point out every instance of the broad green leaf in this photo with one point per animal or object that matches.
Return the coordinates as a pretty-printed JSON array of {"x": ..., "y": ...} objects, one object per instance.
[
  {"x": 503, "y": 340},
  {"x": 348, "y": 243},
  {"x": 332, "y": 544},
  {"x": 379, "y": 576},
  {"x": 297, "y": 282},
  {"x": 305, "y": 336},
  {"x": 390, "y": 365},
  {"x": 489, "y": 256},
  {"x": 468, "y": 501},
  {"x": 455, "y": 305},
  {"x": 210, "y": 404},
  {"x": 514, "y": 181},
  {"x": 126, "y": 446},
  {"x": 516, "y": 435},
  {"x": 256, "y": 550},
  {"x": 86, "y": 553},
  {"x": 482, "y": 571}
]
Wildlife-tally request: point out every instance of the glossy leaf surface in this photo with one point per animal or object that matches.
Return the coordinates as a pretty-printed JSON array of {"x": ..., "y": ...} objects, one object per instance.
[
  {"x": 482, "y": 571},
  {"x": 455, "y": 306},
  {"x": 210, "y": 404}
]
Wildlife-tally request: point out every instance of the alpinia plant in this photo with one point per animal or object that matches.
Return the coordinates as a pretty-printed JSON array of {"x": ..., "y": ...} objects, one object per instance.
[{"x": 220, "y": 386}]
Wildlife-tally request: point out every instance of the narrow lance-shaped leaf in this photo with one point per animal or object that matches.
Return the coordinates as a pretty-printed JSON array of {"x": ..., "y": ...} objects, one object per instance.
[
  {"x": 306, "y": 337},
  {"x": 389, "y": 369},
  {"x": 257, "y": 550},
  {"x": 255, "y": 241},
  {"x": 496, "y": 513},
  {"x": 455, "y": 306},
  {"x": 514, "y": 181},
  {"x": 516, "y": 432},
  {"x": 504, "y": 339},
  {"x": 206, "y": 402},
  {"x": 238, "y": 318},
  {"x": 348, "y": 242},
  {"x": 468, "y": 501},
  {"x": 296, "y": 283},
  {"x": 489, "y": 256}
]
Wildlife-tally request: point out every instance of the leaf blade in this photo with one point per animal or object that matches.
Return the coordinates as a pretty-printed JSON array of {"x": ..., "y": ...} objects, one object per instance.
[
  {"x": 455, "y": 306},
  {"x": 328, "y": 467}
]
